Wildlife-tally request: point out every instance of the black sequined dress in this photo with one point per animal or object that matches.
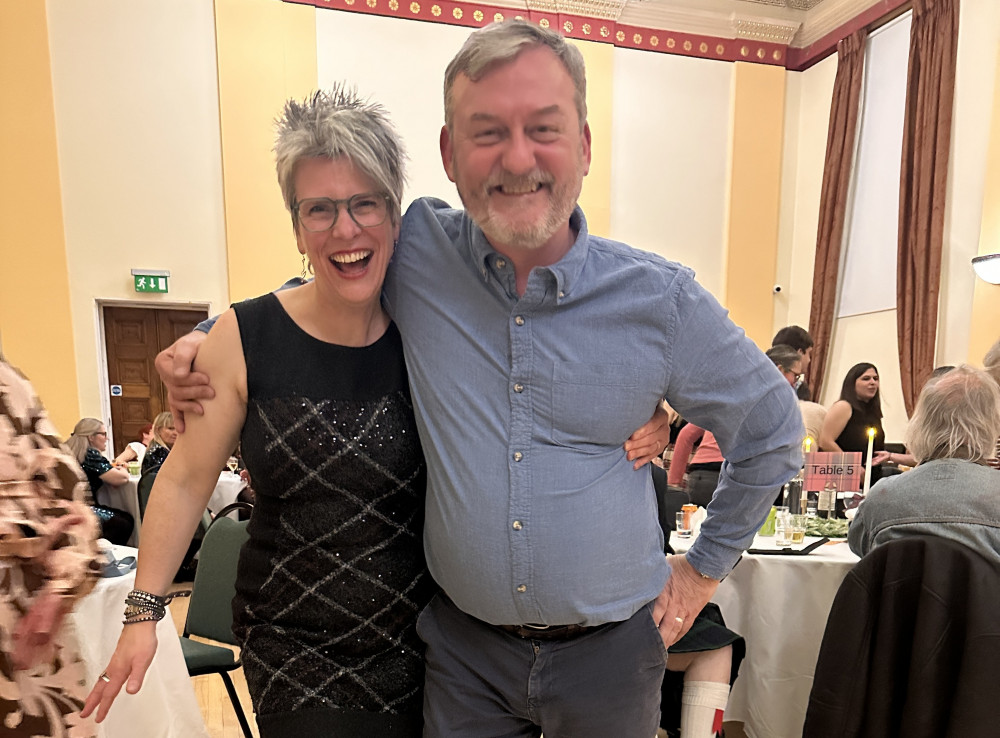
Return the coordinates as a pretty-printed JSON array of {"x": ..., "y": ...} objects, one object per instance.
[{"x": 333, "y": 576}]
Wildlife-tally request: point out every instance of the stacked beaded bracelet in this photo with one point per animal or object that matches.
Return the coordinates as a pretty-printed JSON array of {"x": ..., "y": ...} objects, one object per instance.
[{"x": 145, "y": 607}]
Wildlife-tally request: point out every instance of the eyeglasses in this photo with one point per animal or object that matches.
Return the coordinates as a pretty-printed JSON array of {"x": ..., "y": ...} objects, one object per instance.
[
  {"x": 318, "y": 214},
  {"x": 101, "y": 433}
]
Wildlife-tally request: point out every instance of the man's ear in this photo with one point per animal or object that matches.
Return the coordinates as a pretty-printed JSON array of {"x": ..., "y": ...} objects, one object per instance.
[
  {"x": 446, "y": 153},
  {"x": 586, "y": 148}
]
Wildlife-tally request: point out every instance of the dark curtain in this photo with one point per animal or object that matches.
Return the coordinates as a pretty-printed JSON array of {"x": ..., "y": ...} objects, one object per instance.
[
  {"x": 923, "y": 179},
  {"x": 837, "y": 170}
]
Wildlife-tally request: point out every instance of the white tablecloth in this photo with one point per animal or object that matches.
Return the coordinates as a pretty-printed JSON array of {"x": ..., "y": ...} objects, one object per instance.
[
  {"x": 226, "y": 489},
  {"x": 779, "y": 604},
  {"x": 126, "y": 497},
  {"x": 166, "y": 706}
]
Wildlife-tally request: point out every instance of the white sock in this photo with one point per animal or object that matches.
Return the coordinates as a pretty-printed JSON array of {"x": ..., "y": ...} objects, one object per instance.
[{"x": 702, "y": 705}]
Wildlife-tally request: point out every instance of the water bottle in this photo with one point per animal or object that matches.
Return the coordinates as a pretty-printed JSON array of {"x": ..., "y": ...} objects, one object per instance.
[{"x": 827, "y": 500}]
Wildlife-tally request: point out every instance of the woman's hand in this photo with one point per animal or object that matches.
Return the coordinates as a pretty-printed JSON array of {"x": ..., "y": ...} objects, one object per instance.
[
  {"x": 128, "y": 665},
  {"x": 880, "y": 457}
]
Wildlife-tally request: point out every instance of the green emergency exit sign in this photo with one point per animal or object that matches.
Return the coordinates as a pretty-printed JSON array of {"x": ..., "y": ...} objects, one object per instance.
[{"x": 150, "y": 280}]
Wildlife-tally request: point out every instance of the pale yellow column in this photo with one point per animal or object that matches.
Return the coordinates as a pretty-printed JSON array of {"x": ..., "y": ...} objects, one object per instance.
[
  {"x": 757, "y": 118},
  {"x": 36, "y": 329},
  {"x": 266, "y": 54},
  {"x": 595, "y": 199},
  {"x": 985, "y": 328}
]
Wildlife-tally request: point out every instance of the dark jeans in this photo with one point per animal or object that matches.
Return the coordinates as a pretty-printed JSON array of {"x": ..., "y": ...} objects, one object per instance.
[
  {"x": 482, "y": 681},
  {"x": 701, "y": 486}
]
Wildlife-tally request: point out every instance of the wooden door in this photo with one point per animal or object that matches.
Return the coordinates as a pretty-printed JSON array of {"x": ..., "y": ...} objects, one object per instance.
[{"x": 133, "y": 337}]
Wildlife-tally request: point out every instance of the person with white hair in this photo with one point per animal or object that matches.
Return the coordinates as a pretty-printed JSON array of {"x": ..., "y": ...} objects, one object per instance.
[{"x": 951, "y": 493}]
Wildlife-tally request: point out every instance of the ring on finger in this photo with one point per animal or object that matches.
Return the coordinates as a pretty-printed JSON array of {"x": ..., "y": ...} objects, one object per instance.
[
  {"x": 105, "y": 678},
  {"x": 679, "y": 620}
]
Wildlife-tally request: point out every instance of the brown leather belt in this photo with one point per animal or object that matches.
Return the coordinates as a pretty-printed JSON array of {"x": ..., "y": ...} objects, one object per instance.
[{"x": 548, "y": 632}]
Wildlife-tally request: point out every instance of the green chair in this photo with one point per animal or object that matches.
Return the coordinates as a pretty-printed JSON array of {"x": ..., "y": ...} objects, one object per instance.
[
  {"x": 210, "y": 613},
  {"x": 143, "y": 489}
]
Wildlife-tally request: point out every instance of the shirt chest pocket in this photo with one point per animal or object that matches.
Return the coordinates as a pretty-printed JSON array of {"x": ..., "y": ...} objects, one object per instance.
[{"x": 600, "y": 405}]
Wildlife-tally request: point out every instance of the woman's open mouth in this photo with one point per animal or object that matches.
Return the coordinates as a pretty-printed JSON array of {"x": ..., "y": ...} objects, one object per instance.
[{"x": 352, "y": 262}]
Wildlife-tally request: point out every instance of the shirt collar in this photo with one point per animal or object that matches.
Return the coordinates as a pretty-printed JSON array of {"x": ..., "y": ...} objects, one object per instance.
[{"x": 565, "y": 271}]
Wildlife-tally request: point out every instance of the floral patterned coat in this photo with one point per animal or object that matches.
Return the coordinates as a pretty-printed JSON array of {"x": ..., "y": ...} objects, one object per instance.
[{"x": 47, "y": 543}]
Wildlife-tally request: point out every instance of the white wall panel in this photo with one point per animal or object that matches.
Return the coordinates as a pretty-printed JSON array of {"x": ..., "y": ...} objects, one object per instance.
[
  {"x": 671, "y": 152},
  {"x": 400, "y": 64},
  {"x": 137, "y": 126}
]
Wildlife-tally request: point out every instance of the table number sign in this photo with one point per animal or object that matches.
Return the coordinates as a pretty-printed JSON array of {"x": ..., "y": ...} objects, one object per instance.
[{"x": 843, "y": 469}]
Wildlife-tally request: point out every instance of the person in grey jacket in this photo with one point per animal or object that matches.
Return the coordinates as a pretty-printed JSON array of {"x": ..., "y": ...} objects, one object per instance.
[{"x": 952, "y": 493}]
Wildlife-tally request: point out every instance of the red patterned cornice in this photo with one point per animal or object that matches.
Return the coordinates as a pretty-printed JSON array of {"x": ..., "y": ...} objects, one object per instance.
[{"x": 572, "y": 26}]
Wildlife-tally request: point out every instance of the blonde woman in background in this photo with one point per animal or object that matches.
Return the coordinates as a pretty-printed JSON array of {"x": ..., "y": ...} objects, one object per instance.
[
  {"x": 48, "y": 560},
  {"x": 164, "y": 437},
  {"x": 88, "y": 443}
]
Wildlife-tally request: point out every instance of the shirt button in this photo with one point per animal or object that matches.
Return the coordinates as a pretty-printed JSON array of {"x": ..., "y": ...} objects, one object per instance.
[
  {"x": 501, "y": 263},
  {"x": 522, "y": 588},
  {"x": 562, "y": 294},
  {"x": 516, "y": 525},
  {"x": 519, "y": 388},
  {"x": 518, "y": 456},
  {"x": 519, "y": 320}
]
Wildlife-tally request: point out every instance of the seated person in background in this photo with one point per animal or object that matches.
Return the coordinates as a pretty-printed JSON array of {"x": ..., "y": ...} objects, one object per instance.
[
  {"x": 907, "y": 459},
  {"x": 951, "y": 493},
  {"x": 991, "y": 363},
  {"x": 849, "y": 418},
  {"x": 706, "y": 660},
  {"x": 136, "y": 449},
  {"x": 164, "y": 435},
  {"x": 791, "y": 363},
  {"x": 799, "y": 339},
  {"x": 813, "y": 415},
  {"x": 87, "y": 444},
  {"x": 705, "y": 465}
]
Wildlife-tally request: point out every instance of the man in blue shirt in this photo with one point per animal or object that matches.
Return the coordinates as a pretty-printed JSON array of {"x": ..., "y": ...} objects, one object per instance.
[{"x": 533, "y": 350}]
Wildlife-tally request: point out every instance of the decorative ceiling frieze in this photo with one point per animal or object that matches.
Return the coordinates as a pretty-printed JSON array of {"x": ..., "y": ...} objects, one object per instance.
[{"x": 789, "y": 33}]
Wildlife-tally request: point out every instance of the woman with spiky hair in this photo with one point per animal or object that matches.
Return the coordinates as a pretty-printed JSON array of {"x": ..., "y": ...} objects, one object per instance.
[{"x": 311, "y": 382}]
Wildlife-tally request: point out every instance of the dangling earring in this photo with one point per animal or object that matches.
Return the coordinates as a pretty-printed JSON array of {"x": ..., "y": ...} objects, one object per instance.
[{"x": 303, "y": 267}]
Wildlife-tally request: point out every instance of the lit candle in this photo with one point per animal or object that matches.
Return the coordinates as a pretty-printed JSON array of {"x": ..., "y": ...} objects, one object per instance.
[
  {"x": 868, "y": 462},
  {"x": 807, "y": 444}
]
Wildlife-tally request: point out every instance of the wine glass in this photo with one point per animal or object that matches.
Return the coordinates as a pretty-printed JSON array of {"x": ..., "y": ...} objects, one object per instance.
[{"x": 232, "y": 462}]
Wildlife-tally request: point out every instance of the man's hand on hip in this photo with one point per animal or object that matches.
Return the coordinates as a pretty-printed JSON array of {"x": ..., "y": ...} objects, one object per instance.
[
  {"x": 684, "y": 595},
  {"x": 185, "y": 388}
]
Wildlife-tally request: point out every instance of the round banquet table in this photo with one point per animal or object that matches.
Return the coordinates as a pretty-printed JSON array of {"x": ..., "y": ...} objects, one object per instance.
[
  {"x": 166, "y": 706},
  {"x": 779, "y": 604}
]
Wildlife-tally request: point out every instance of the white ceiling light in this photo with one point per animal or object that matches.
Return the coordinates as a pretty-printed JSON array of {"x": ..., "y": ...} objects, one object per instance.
[{"x": 987, "y": 267}]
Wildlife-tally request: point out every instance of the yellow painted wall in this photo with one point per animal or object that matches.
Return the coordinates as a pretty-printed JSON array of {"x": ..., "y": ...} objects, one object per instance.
[
  {"x": 266, "y": 54},
  {"x": 595, "y": 199},
  {"x": 985, "y": 328},
  {"x": 36, "y": 330},
  {"x": 755, "y": 196}
]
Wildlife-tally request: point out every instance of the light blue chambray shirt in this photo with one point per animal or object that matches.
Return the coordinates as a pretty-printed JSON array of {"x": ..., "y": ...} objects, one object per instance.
[{"x": 534, "y": 515}]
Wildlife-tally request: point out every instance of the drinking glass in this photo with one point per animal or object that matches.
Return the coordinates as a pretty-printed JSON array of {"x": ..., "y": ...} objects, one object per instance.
[
  {"x": 682, "y": 526},
  {"x": 232, "y": 462},
  {"x": 799, "y": 528}
]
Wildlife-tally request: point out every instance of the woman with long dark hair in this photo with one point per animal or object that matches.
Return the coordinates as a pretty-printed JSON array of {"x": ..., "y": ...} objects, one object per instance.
[{"x": 858, "y": 409}]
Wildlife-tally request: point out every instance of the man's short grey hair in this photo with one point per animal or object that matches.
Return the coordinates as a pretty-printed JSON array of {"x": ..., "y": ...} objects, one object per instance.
[
  {"x": 340, "y": 124},
  {"x": 991, "y": 362},
  {"x": 500, "y": 43},
  {"x": 957, "y": 417}
]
